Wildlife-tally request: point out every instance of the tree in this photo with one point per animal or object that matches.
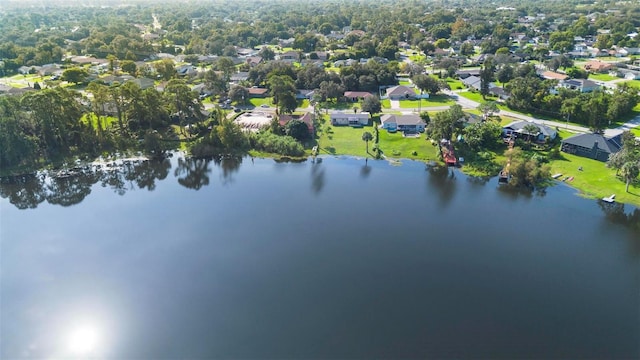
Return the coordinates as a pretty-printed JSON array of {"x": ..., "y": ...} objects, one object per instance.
[
  {"x": 426, "y": 83},
  {"x": 505, "y": 74},
  {"x": 266, "y": 53},
  {"x": 488, "y": 109},
  {"x": 331, "y": 90},
  {"x": 214, "y": 82},
  {"x": 445, "y": 123},
  {"x": 531, "y": 130},
  {"x": 486, "y": 77},
  {"x": 239, "y": 94},
  {"x": 283, "y": 91},
  {"x": 629, "y": 171},
  {"x": 298, "y": 130},
  {"x": 366, "y": 137},
  {"x": 442, "y": 44},
  {"x": 526, "y": 172},
  {"x": 129, "y": 67},
  {"x": 372, "y": 105},
  {"x": 467, "y": 49},
  {"x": 165, "y": 68},
  {"x": 482, "y": 135},
  {"x": 75, "y": 75}
]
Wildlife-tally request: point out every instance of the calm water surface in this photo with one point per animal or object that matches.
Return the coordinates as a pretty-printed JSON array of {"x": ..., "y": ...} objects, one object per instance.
[{"x": 258, "y": 259}]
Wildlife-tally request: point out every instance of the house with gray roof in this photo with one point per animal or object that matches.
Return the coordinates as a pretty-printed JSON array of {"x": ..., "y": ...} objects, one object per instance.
[
  {"x": 401, "y": 92},
  {"x": 472, "y": 82},
  {"x": 516, "y": 129},
  {"x": 593, "y": 146},
  {"x": 405, "y": 123}
]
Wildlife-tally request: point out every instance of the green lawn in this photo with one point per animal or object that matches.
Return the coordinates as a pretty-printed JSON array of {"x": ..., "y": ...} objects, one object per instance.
[
  {"x": 595, "y": 180},
  {"x": 634, "y": 83},
  {"x": 260, "y": 101},
  {"x": 474, "y": 96},
  {"x": 602, "y": 77},
  {"x": 345, "y": 140},
  {"x": 107, "y": 121},
  {"x": 405, "y": 83},
  {"x": 386, "y": 103},
  {"x": 303, "y": 103},
  {"x": 636, "y": 131},
  {"x": 455, "y": 84},
  {"x": 438, "y": 100}
]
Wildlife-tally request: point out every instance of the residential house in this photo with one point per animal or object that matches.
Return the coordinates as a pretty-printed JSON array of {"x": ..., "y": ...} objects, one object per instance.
[
  {"x": 256, "y": 92},
  {"x": 463, "y": 74},
  {"x": 187, "y": 70},
  {"x": 597, "y": 66},
  {"x": 354, "y": 96},
  {"x": 629, "y": 74},
  {"x": 349, "y": 118},
  {"x": 551, "y": 75},
  {"x": 581, "y": 85},
  {"x": 253, "y": 61},
  {"x": 472, "y": 82},
  {"x": 289, "y": 56},
  {"x": 401, "y": 92},
  {"x": 516, "y": 129},
  {"x": 306, "y": 118},
  {"x": 302, "y": 94},
  {"x": 239, "y": 77},
  {"x": 593, "y": 146},
  {"x": 405, "y": 123},
  {"x": 143, "y": 83},
  {"x": 501, "y": 93},
  {"x": 111, "y": 79}
]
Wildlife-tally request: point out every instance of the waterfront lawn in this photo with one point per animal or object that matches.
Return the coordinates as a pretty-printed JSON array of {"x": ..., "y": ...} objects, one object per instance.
[
  {"x": 394, "y": 145},
  {"x": 595, "y": 180},
  {"x": 343, "y": 140},
  {"x": 346, "y": 140}
]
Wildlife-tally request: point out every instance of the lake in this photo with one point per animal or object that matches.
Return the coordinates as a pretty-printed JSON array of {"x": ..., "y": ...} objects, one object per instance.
[{"x": 251, "y": 258}]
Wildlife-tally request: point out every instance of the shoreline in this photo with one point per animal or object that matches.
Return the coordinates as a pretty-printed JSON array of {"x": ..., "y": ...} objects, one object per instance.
[{"x": 587, "y": 192}]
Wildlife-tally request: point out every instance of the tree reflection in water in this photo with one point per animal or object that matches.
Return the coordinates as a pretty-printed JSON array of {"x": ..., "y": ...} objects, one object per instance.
[
  {"x": 616, "y": 213},
  {"x": 317, "y": 176},
  {"x": 70, "y": 187},
  {"x": 443, "y": 179},
  {"x": 194, "y": 172},
  {"x": 229, "y": 164}
]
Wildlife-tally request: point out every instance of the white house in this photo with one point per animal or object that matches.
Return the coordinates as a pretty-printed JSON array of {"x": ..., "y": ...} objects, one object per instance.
[
  {"x": 349, "y": 118},
  {"x": 412, "y": 123}
]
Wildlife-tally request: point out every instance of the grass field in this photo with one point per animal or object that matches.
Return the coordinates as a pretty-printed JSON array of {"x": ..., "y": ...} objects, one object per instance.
[
  {"x": 386, "y": 103},
  {"x": 260, "y": 101},
  {"x": 437, "y": 100},
  {"x": 345, "y": 140},
  {"x": 595, "y": 180},
  {"x": 634, "y": 83},
  {"x": 602, "y": 77},
  {"x": 474, "y": 96}
]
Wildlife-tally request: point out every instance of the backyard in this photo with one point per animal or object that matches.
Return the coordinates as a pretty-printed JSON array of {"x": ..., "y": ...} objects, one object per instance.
[{"x": 346, "y": 140}]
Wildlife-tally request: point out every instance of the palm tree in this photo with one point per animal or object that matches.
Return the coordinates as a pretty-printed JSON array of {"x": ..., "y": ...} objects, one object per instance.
[
  {"x": 366, "y": 137},
  {"x": 629, "y": 171},
  {"x": 531, "y": 130}
]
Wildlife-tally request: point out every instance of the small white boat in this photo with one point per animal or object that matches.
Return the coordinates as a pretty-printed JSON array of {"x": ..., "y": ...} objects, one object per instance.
[
  {"x": 556, "y": 176},
  {"x": 609, "y": 199}
]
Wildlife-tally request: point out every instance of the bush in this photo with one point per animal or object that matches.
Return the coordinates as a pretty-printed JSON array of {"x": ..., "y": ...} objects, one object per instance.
[{"x": 283, "y": 145}]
